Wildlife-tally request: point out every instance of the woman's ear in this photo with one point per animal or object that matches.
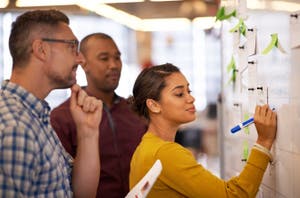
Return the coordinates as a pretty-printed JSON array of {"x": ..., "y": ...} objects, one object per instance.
[{"x": 153, "y": 106}]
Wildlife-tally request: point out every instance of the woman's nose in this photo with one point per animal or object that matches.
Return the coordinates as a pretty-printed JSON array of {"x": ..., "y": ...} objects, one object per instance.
[{"x": 191, "y": 99}]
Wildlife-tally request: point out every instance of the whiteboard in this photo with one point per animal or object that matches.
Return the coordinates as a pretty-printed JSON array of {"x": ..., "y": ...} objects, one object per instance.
[{"x": 278, "y": 74}]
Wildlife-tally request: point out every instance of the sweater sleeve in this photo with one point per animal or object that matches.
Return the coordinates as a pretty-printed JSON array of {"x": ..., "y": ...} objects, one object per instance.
[{"x": 182, "y": 173}]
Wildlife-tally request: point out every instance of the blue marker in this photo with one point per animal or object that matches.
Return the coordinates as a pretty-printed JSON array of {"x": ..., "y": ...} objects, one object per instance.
[{"x": 242, "y": 125}]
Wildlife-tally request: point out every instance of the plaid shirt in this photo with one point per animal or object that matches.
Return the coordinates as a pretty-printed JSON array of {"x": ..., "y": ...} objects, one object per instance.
[{"x": 33, "y": 162}]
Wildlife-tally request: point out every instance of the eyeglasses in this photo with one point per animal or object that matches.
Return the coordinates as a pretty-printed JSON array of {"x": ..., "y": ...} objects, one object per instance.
[{"x": 73, "y": 44}]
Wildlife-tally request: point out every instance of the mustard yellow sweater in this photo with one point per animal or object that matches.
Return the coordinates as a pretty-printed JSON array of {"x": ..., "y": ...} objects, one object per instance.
[{"x": 182, "y": 176}]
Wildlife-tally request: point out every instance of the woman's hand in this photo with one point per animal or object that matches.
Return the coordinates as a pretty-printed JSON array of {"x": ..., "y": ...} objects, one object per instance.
[{"x": 266, "y": 125}]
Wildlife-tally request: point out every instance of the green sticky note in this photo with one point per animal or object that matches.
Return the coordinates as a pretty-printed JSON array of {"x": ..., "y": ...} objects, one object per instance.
[
  {"x": 231, "y": 67},
  {"x": 241, "y": 27},
  {"x": 221, "y": 16},
  {"x": 233, "y": 78},
  {"x": 246, "y": 129},
  {"x": 272, "y": 44},
  {"x": 245, "y": 150},
  {"x": 220, "y": 13}
]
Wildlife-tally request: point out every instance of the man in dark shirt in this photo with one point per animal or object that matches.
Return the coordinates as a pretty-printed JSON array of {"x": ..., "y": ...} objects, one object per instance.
[{"x": 121, "y": 129}]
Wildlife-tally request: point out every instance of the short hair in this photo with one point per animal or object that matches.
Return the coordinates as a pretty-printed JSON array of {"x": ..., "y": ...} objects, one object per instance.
[
  {"x": 97, "y": 35},
  {"x": 149, "y": 84},
  {"x": 26, "y": 26}
]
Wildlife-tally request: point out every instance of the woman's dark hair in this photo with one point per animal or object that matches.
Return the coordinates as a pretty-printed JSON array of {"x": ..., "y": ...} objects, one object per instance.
[{"x": 149, "y": 85}]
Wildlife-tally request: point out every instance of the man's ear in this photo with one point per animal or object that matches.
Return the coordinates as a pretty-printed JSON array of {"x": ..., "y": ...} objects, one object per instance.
[
  {"x": 84, "y": 67},
  {"x": 83, "y": 64},
  {"x": 153, "y": 106},
  {"x": 38, "y": 49}
]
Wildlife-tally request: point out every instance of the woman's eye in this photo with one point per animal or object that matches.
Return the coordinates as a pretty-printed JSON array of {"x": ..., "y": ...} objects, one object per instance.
[{"x": 179, "y": 94}]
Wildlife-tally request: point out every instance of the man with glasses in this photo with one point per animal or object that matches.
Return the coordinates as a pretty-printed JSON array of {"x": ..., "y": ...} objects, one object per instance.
[
  {"x": 73, "y": 44},
  {"x": 33, "y": 162},
  {"x": 121, "y": 129}
]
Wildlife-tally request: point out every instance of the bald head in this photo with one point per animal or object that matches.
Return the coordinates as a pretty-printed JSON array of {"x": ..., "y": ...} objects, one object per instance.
[{"x": 84, "y": 42}]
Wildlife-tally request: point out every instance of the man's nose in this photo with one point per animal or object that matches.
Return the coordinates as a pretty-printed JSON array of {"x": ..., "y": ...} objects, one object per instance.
[{"x": 113, "y": 63}]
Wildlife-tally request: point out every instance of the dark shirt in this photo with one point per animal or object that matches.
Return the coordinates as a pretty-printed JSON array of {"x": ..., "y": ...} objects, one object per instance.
[{"x": 121, "y": 131}]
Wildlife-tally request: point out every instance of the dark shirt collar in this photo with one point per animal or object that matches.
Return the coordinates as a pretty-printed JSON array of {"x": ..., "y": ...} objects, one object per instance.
[{"x": 116, "y": 98}]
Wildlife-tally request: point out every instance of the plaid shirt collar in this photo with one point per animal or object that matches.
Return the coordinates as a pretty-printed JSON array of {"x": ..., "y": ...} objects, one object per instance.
[{"x": 39, "y": 108}]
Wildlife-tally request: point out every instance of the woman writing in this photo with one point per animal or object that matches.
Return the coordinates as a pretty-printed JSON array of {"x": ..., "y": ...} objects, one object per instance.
[{"x": 162, "y": 95}]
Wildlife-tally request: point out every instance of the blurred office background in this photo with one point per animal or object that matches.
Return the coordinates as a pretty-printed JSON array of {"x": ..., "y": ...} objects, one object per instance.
[{"x": 148, "y": 32}]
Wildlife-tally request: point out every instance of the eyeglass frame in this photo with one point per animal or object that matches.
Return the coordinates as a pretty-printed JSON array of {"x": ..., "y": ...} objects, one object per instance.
[{"x": 73, "y": 42}]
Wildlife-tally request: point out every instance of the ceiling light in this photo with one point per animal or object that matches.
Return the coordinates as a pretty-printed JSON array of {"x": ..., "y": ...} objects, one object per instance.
[
  {"x": 273, "y": 5},
  {"x": 33, "y": 3},
  {"x": 120, "y": 1},
  {"x": 285, "y": 6},
  {"x": 30, "y": 3},
  {"x": 117, "y": 15},
  {"x": 171, "y": 24},
  {"x": 112, "y": 13},
  {"x": 3, "y": 3},
  {"x": 132, "y": 21},
  {"x": 206, "y": 22},
  {"x": 165, "y": 0}
]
